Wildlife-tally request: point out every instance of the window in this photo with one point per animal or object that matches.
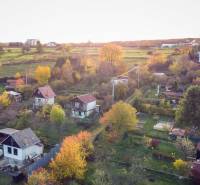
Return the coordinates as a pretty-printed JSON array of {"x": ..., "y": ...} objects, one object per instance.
[
  {"x": 77, "y": 104},
  {"x": 9, "y": 150},
  {"x": 15, "y": 151}
]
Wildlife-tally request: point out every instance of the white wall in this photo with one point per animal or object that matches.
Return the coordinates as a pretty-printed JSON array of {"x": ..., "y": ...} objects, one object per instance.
[
  {"x": 6, "y": 154},
  {"x": 23, "y": 153},
  {"x": 91, "y": 105},
  {"x": 43, "y": 101},
  {"x": 32, "y": 151},
  {"x": 199, "y": 56}
]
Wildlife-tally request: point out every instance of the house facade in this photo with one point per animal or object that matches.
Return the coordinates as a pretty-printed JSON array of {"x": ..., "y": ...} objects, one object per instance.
[
  {"x": 83, "y": 106},
  {"x": 20, "y": 145},
  {"x": 44, "y": 95},
  {"x": 120, "y": 80},
  {"x": 199, "y": 56},
  {"x": 31, "y": 42}
]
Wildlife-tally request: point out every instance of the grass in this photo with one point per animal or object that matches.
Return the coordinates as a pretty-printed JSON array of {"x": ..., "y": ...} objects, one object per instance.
[{"x": 20, "y": 62}]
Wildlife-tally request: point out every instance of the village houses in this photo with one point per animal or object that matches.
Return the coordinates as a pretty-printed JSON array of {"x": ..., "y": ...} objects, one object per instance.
[
  {"x": 44, "y": 95},
  {"x": 83, "y": 106},
  {"x": 17, "y": 146}
]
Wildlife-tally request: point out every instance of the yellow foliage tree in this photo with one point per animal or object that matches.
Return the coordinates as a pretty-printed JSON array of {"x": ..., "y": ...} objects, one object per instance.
[
  {"x": 180, "y": 165},
  {"x": 88, "y": 65},
  {"x": 67, "y": 72},
  {"x": 70, "y": 161},
  {"x": 57, "y": 114},
  {"x": 42, "y": 74},
  {"x": 18, "y": 75},
  {"x": 111, "y": 53},
  {"x": 41, "y": 177},
  {"x": 4, "y": 99},
  {"x": 84, "y": 137},
  {"x": 121, "y": 116}
]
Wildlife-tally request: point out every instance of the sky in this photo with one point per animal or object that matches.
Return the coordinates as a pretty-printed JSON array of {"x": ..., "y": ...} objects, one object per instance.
[{"x": 98, "y": 20}]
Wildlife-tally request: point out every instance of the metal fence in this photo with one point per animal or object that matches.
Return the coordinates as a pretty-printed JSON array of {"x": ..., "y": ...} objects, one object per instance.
[{"x": 44, "y": 161}]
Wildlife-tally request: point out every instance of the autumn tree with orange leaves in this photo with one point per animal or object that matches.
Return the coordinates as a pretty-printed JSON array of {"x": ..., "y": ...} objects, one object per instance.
[
  {"x": 42, "y": 74},
  {"x": 111, "y": 53},
  {"x": 121, "y": 117},
  {"x": 70, "y": 161},
  {"x": 41, "y": 177},
  {"x": 84, "y": 137}
]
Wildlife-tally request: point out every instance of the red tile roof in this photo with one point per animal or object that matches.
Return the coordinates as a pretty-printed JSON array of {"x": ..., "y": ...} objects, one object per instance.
[
  {"x": 47, "y": 91},
  {"x": 86, "y": 98}
]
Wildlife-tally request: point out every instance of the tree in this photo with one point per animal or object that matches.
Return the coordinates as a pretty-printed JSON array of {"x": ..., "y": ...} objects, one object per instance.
[
  {"x": 70, "y": 161},
  {"x": 121, "y": 91},
  {"x": 186, "y": 146},
  {"x": 121, "y": 116},
  {"x": 84, "y": 137},
  {"x": 42, "y": 74},
  {"x": 188, "y": 111},
  {"x": 180, "y": 166},
  {"x": 181, "y": 66},
  {"x": 88, "y": 65},
  {"x": 67, "y": 72},
  {"x": 18, "y": 75},
  {"x": 111, "y": 53},
  {"x": 57, "y": 114},
  {"x": 41, "y": 177},
  {"x": 4, "y": 99},
  {"x": 39, "y": 47},
  {"x": 156, "y": 62}
]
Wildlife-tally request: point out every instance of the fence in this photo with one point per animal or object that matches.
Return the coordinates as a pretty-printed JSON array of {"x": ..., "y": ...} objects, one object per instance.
[{"x": 44, "y": 161}]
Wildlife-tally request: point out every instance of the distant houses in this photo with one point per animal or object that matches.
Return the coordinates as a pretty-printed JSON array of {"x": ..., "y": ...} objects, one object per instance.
[
  {"x": 51, "y": 44},
  {"x": 20, "y": 145},
  {"x": 83, "y": 106},
  {"x": 169, "y": 46},
  {"x": 44, "y": 95},
  {"x": 15, "y": 96},
  {"x": 31, "y": 42}
]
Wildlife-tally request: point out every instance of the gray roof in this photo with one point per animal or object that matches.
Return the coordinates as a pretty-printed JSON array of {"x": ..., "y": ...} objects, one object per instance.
[
  {"x": 25, "y": 138},
  {"x": 8, "y": 131}
]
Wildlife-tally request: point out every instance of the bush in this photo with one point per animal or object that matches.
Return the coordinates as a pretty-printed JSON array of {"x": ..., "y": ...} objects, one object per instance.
[
  {"x": 180, "y": 166},
  {"x": 57, "y": 114},
  {"x": 154, "y": 143}
]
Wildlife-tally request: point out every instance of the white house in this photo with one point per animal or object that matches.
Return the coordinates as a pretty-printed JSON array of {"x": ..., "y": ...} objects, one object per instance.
[
  {"x": 120, "y": 80},
  {"x": 44, "y": 95},
  {"x": 20, "y": 145},
  {"x": 51, "y": 44},
  {"x": 84, "y": 105},
  {"x": 199, "y": 56},
  {"x": 31, "y": 42},
  {"x": 168, "y": 46}
]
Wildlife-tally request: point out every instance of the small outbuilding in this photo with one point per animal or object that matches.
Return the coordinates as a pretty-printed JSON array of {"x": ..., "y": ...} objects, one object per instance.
[
  {"x": 83, "y": 105},
  {"x": 44, "y": 95}
]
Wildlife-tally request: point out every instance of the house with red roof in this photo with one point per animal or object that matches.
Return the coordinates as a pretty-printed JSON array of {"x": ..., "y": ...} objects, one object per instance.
[
  {"x": 44, "y": 95},
  {"x": 83, "y": 105}
]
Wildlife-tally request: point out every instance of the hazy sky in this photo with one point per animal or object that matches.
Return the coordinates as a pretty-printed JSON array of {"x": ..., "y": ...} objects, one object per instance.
[{"x": 98, "y": 20}]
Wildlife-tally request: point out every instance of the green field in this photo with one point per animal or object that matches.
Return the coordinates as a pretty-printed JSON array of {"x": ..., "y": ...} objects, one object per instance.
[{"x": 12, "y": 60}]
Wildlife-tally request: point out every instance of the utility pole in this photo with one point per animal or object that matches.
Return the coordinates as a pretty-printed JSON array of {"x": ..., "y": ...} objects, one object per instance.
[
  {"x": 113, "y": 90},
  {"x": 138, "y": 78}
]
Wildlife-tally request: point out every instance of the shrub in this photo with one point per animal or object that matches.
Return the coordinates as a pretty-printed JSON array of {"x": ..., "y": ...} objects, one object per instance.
[
  {"x": 180, "y": 166},
  {"x": 154, "y": 143},
  {"x": 57, "y": 114}
]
